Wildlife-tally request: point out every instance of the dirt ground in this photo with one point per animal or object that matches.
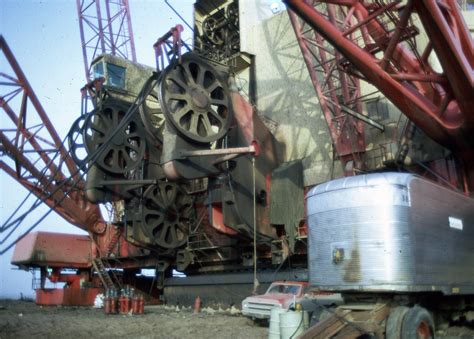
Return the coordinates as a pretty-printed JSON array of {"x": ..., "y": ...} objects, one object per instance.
[
  {"x": 20, "y": 319},
  {"x": 23, "y": 319}
]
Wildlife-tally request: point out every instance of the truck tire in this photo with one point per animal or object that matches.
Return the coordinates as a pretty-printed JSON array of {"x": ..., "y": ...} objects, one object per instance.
[
  {"x": 318, "y": 316},
  {"x": 418, "y": 323},
  {"x": 393, "y": 329}
]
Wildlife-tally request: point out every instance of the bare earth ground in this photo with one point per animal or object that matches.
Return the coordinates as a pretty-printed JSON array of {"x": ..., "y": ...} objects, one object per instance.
[{"x": 21, "y": 319}]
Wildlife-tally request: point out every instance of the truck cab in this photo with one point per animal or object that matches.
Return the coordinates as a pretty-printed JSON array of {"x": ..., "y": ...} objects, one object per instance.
[{"x": 280, "y": 294}]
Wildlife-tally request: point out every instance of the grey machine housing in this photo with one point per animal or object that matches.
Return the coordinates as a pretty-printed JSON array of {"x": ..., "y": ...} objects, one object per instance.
[{"x": 390, "y": 232}]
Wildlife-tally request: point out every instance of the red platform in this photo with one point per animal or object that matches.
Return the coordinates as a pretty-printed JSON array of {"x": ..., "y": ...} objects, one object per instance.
[{"x": 53, "y": 250}]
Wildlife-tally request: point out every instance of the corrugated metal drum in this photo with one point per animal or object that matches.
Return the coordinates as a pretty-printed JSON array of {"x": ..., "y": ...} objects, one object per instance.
[{"x": 390, "y": 232}]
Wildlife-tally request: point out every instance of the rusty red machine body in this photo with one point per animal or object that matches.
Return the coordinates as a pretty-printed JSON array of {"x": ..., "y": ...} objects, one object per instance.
[
  {"x": 40, "y": 250},
  {"x": 196, "y": 177},
  {"x": 40, "y": 247}
]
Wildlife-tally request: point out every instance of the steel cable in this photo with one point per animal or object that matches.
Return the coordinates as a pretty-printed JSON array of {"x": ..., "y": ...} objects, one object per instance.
[
  {"x": 4, "y": 227},
  {"x": 91, "y": 158},
  {"x": 17, "y": 222}
]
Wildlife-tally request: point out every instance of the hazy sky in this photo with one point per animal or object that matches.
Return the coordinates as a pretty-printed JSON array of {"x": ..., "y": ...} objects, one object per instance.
[{"x": 44, "y": 37}]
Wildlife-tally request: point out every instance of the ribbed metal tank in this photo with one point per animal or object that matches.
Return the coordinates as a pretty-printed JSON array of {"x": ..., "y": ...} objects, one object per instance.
[{"x": 390, "y": 232}]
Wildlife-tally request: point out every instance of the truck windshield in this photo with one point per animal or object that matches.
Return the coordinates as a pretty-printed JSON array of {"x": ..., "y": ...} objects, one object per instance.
[{"x": 282, "y": 288}]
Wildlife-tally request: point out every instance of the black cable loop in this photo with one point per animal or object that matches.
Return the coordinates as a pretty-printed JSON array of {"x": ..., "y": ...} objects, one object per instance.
[{"x": 90, "y": 158}]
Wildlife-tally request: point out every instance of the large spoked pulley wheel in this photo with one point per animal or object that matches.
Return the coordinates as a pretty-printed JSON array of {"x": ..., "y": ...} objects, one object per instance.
[
  {"x": 195, "y": 99},
  {"x": 150, "y": 109},
  {"x": 75, "y": 139},
  {"x": 166, "y": 214},
  {"x": 124, "y": 147},
  {"x": 213, "y": 30}
]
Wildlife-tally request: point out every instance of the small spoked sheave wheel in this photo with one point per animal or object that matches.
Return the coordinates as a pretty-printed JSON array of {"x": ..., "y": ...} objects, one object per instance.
[
  {"x": 166, "y": 214},
  {"x": 75, "y": 138},
  {"x": 120, "y": 146},
  {"x": 213, "y": 31}
]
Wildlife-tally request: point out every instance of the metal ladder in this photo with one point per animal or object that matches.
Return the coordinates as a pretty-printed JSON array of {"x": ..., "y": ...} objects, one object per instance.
[
  {"x": 113, "y": 242},
  {"x": 105, "y": 276}
]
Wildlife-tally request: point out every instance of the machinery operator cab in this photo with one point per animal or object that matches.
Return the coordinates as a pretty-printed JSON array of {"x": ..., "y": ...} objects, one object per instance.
[
  {"x": 124, "y": 79},
  {"x": 114, "y": 75}
]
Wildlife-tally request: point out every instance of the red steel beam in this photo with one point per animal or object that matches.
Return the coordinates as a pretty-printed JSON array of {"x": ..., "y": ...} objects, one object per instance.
[
  {"x": 454, "y": 48},
  {"x": 168, "y": 47},
  {"x": 22, "y": 81},
  {"x": 40, "y": 161}
]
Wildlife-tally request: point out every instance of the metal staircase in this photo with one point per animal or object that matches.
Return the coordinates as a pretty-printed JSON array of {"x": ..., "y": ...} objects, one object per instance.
[
  {"x": 114, "y": 241},
  {"x": 106, "y": 275}
]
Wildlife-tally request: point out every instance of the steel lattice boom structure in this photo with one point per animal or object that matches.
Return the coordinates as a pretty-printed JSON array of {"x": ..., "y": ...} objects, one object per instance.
[
  {"x": 38, "y": 158},
  {"x": 339, "y": 94},
  {"x": 378, "y": 43},
  {"x": 110, "y": 32}
]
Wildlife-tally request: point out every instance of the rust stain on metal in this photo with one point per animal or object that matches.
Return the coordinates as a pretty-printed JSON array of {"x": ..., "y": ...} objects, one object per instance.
[{"x": 352, "y": 268}]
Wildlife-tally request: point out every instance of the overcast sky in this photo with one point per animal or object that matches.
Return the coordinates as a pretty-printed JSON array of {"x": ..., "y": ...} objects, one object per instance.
[{"x": 44, "y": 37}]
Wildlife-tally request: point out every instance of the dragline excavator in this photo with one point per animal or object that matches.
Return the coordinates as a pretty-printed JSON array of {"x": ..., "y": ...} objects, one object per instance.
[{"x": 208, "y": 157}]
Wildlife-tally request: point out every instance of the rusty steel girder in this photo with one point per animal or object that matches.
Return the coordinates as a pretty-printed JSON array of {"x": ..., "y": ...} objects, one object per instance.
[{"x": 379, "y": 43}]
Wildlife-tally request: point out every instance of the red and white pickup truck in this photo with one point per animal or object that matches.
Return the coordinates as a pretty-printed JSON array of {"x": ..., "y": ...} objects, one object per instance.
[{"x": 281, "y": 294}]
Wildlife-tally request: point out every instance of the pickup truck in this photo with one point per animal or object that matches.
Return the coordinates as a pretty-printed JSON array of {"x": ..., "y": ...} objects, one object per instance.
[{"x": 281, "y": 294}]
